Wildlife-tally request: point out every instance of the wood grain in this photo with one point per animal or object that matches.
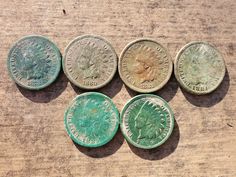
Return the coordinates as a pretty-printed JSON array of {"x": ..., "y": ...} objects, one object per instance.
[{"x": 33, "y": 141}]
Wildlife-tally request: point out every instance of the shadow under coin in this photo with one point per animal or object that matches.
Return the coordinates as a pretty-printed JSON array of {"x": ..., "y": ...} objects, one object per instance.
[
  {"x": 105, "y": 150},
  {"x": 47, "y": 94},
  {"x": 131, "y": 92},
  {"x": 169, "y": 90},
  {"x": 113, "y": 87},
  {"x": 162, "y": 151},
  {"x": 210, "y": 99}
]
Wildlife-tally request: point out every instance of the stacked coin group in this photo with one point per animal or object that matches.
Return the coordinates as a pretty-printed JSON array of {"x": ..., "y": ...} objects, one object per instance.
[{"x": 145, "y": 66}]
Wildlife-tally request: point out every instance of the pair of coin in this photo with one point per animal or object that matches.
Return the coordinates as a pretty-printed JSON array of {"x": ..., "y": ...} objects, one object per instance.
[
  {"x": 92, "y": 120},
  {"x": 34, "y": 62},
  {"x": 145, "y": 66}
]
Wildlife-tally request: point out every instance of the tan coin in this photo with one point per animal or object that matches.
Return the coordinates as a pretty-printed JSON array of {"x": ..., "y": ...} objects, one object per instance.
[
  {"x": 90, "y": 62},
  {"x": 145, "y": 66},
  {"x": 199, "y": 68}
]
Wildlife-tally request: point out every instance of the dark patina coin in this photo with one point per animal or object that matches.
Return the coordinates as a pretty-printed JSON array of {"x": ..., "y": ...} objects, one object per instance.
[
  {"x": 199, "y": 68},
  {"x": 145, "y": 65},
  {"x": 91, "y": 120},
  {"x": 147, "y": 121},
  {"x": 90, "y": 62},
  {"x": 34, "y": 62}
]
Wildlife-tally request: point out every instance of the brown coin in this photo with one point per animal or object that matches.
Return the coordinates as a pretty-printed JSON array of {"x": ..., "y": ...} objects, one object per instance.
[
  {"x": 145, "y": 66},
  {"x": 90, "y": 62}
]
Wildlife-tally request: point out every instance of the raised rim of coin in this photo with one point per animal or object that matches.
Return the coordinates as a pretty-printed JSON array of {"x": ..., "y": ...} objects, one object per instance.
[
  {"x": 126, "y": 107},
  {"x": 56, "y": 73},
  {"x": 71, "y": 79},
  {"x": 139, "y": 89},
  {"x": 100, "y": 143},
  {"x": 176, "y": 70}
]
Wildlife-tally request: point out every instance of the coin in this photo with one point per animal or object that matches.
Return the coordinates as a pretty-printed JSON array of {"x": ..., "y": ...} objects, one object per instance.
[
  {"x": 145, "y": 66},
  {"x": 34, "y": 62},
  {"x": 199, "y": 68},
  {"x": 90, "y": 62},
  {"x": 147, "y": 121},
  {"x": 91, "y": 120}
]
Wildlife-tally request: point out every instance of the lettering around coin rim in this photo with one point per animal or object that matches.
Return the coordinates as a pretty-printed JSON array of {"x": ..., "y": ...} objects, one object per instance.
[
  {"x": 156, "y": 58},
  {"x": 194, "y": 89},
  {"x": 38, "y": 77},
  {"x": 93, "y": 66},
  {"x": 91, "y": 119},
  {"x": 141, "y": 131}
]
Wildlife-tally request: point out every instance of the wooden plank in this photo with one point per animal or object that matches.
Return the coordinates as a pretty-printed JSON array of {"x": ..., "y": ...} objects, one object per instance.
[{"x": 33, "y": 141}]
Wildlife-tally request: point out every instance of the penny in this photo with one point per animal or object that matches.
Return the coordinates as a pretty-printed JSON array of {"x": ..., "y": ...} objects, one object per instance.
[
  {"x": 34, "y": 62},
  {"x": 145, "y": 66},
  {"x": 91, "y": 119},
  {"x": 147, "y": 121},
  {"x": 90, "y": 62},
  {"x": 199, "y": 68}
]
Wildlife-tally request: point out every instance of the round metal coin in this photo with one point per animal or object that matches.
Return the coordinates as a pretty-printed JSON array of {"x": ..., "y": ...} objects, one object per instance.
[
  {"x": 90, "y": 62},
  {"x": 199, "y": 68},
  {"x": 147, "y": 121},
  {"x": 91, "y": 119},
  {"x": 145, "y": 66},
  {"x": 34, "y": 62}
]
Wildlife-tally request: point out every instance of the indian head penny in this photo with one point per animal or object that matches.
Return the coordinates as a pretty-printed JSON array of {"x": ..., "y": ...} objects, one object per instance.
[
  {"x": 34, "y": 62},
  {"x": 147, "y": 121},
  {"x": 91, "y": 119},
  {"x": 145, "y": 66},
  {"x": 199, "y": 68},
  {"x": 90, "y": 62}
]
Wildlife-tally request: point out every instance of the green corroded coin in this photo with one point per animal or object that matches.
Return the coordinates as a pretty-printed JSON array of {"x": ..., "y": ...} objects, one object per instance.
[
  {"x": 147, "y": 121},
  {"x": 199, "y": 68},
  {"x": 91, "y": 119},
  {"x": 90, "y": 62},
  {"x": 34, "y": 62}
]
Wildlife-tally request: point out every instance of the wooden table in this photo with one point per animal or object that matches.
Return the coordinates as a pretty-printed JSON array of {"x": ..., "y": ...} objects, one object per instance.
[{"x": 33, "y": 141}]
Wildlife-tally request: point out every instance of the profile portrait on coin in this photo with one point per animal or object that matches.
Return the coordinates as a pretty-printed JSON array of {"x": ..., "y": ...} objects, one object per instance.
[
  {"x": 199, "y": 68},
  {"x": 144, "y": 66},
  {"x": 90, "y": 62},
  {"x": 34, "y": 63},
  {"x": 198, "y": 71},
  {"x": 148, "y": 123},
  {"x": 86, "y": 62}
]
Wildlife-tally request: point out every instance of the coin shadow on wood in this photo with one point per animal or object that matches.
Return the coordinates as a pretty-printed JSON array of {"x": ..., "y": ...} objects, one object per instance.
[
  {"x": 162, "y": 151},
  {"x": 130, "y": 92},
  {"x": 46, "y": 94},
  {"x": 111, "y": 89},
  {"x": 169, "y": 90},
  {"x": 210, "y": 99},
  {"x": 105, "y": 150}
]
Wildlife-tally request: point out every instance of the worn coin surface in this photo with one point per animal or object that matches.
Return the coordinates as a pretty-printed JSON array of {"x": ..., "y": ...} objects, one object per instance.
[
  {"x": 145, "y": 65},
  {"x": 91, "y": 119},
  {"x": 34, "y": 62},
  {"x": 147, "y": 121},
  {"x": 90, "y": 62},
  {"x": 199, "y": 68}
]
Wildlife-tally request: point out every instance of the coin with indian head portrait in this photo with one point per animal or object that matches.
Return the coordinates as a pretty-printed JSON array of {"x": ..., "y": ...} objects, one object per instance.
[
  {"x": 34, "y": 62},
  {"x": 91, "y": 119},
  {"x": 145, "y": 66},
  {"x": 146, "y": 121},
  {"x": 90, "y": 62},
  {"x": 199, "y": 68}
]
